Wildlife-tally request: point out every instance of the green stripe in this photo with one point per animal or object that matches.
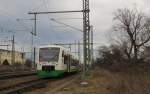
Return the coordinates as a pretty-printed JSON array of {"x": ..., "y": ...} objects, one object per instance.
[{"x": 56, "y": 73}]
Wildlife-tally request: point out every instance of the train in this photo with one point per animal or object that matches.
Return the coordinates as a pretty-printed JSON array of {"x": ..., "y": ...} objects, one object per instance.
[{"x": 56, "y": 61}]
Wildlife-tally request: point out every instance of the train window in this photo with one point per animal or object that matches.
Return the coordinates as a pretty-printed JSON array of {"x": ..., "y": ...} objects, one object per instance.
[{"x": 49, "y": 54}]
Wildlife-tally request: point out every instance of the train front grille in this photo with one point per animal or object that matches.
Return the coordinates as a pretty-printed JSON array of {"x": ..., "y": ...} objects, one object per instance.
[{"x": 48, "y": 68}]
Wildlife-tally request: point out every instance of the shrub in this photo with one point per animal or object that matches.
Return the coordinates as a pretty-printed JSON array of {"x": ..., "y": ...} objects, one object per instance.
[{"x": 5, "y": 62}]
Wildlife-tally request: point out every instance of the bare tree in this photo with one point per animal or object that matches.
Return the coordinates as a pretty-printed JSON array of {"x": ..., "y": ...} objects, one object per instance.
[{"x": 136, "y": 28}]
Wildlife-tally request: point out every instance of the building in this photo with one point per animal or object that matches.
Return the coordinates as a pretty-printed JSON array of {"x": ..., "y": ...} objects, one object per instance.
[{"x": 6, "y": 57}]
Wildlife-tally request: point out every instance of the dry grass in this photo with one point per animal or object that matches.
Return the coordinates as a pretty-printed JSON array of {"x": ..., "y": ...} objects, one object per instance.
[{"x": 127, "y": 79}]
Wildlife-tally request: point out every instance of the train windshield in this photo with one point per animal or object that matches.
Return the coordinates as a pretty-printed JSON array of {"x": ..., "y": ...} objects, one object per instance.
[{"x": 49, "y": 54}]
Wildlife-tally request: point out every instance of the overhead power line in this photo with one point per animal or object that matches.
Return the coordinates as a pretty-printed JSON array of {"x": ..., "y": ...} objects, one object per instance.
[
  {"x": 66, "y": 25},
  {"x": 55, "y": 12}
]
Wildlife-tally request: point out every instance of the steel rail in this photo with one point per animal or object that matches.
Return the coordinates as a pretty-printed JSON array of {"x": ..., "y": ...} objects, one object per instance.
[
  {"x": 19, "y": 87},
  {"x": 29, "y": 84},
  {"x": 14, "y": 75},
  {"x": 12, "y": 72}
]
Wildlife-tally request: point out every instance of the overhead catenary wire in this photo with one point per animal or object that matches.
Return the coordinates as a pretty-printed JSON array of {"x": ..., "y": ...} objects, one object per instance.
[
  {"x": 66, "y": 25},
  {"x": 73, "y": 18}
]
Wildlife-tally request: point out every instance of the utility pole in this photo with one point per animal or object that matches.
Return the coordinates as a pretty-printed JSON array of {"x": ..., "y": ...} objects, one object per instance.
[
  {"x": 75, "y": 49},
  {"x": 34, "y": 60},
  {"x": 86, "y": 38},
  {"x": 92, "y": 49},
  {"x": 79, "y": 53},
  {"x": 13, "y": 50},
  {"x": 35, "y": 19},
  {"x": 33, "y": 33},
  {"x": 32, "y": 54}
]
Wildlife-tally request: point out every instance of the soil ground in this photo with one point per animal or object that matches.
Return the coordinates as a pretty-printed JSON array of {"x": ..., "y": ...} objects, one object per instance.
[{"x": 127, "y": 79}]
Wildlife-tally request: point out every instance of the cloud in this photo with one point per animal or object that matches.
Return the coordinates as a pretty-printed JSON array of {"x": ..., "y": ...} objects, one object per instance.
[{"x": 101, "y": 18}]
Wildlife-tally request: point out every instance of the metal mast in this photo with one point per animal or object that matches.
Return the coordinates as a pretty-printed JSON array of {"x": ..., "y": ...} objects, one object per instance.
[
  {"x": 92, "y": 49},
  {"x": 13, "y": 50},
  {"x": 86, "y": 34}
]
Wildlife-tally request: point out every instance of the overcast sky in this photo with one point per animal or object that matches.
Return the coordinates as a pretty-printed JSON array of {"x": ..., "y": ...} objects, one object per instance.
[{"x": 50, "y": 32}]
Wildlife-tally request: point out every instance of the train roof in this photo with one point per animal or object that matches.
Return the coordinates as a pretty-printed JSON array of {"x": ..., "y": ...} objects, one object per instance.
[
  {"x": 57, "y": 46},
  {"x": 52, "y": 46}
]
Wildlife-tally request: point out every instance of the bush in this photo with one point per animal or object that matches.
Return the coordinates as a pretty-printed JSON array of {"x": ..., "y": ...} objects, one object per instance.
[
  {"x": 111, "y": 55},
  {"x": 6, "y": 62}
]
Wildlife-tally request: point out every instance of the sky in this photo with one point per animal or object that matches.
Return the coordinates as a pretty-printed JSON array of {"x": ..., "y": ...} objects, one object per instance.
[{"x": 101, "y": 17}]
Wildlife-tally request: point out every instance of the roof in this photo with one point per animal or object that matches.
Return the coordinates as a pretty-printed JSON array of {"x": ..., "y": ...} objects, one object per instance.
[
  {"x": 4, "y": 50},
  {"x": 52, "y": 46}
]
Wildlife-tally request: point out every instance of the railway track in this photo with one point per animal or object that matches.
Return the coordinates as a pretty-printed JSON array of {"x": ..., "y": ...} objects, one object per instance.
[
  {"x": 55, "y": 85},
  {"x": 1, "y": 73},
  {"x": 31, "y": 84},
  {"x": 16, "y": 74},
  {"x": 22, "y": 86}
]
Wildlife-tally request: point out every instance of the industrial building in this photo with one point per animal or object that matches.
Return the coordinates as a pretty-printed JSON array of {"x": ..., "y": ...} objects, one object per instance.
[{"x": 7, "y": 58}]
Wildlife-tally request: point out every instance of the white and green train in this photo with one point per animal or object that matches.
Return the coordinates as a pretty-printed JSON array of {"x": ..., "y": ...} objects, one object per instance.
[{"x": 55, "y": 61}]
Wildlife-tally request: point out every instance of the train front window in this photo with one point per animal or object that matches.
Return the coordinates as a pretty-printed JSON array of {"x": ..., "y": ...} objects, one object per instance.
[{"x": 49, "y": 54}]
